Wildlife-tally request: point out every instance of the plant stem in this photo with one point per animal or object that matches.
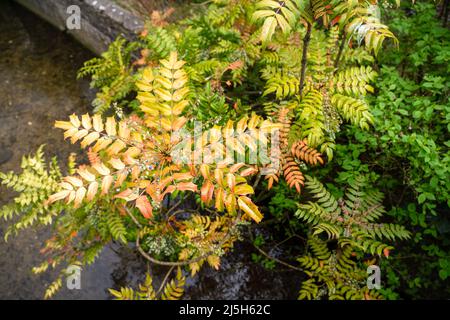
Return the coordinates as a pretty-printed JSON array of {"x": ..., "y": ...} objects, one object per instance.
[
  {"x": 306, "y": 40},
  {"x": 264, "y": 253},
  {"x": 163, "y": 283},
  {"x": 445, "y": 13},
  {"x": 341, "y": 49}
]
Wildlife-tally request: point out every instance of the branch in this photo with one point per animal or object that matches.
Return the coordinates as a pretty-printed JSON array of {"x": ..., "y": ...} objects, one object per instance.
[
  {"x": 273, "y": 258},
  {"x": 165, "y": 280},
  {"x": 185, "y": 263},
  {"x": 341, "y": 49},
  {"x": 136, "y": 222},
  {"x": 306, "y": 40}
]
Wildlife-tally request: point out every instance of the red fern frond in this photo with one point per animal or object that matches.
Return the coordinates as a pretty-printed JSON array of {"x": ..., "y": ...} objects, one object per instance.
[
  {"x": 294, "y": 177},
  {"x": 303, "y": 152}
]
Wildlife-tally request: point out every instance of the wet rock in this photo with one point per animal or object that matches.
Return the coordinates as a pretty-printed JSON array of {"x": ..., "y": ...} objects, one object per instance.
[
  {"x": 5, "y": 154},
  {"x": 101, "y": 20}
]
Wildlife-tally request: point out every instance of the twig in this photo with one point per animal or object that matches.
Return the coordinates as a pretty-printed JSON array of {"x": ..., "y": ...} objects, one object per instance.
[
  {"x": 185, "y": 263},
  {"x": 273, "y": 258},
  {"x": 258, "y": 178},
  {"x": 176, "y": 205},
  {"x": 132, "y": 217},
  {"x": 341, "y": 49},
  {"x": 306, "y": 40},
  {"x": 165, "y": 280}
]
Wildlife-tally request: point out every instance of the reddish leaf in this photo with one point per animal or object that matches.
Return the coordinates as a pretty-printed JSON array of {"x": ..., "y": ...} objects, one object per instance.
[{"x": 145, "y": 207}]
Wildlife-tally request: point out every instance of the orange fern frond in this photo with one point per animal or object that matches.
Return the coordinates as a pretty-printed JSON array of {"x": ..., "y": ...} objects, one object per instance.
[
  {"x": 93, "y": 157},
  {"x": 285, "y": 120},
  {"x": 294, "y": 177},
  {"x": 303, "y": 152}
]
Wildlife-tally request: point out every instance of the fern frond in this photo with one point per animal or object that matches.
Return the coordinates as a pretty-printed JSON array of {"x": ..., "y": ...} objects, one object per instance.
[
  {"x": 354, "y": 110},
  {"x": 303, "y": 152},
  {"x": 355, "y": 81}
]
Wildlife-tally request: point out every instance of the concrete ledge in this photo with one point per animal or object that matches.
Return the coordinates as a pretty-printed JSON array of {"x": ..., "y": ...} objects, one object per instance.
[{"x": 101, "y": 20}]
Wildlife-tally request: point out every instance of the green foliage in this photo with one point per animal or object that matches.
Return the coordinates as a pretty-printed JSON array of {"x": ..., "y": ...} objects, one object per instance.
[
  {"x": 34, "y": 185},
  {"x": 337, "y": 265},
  {"x": 111, "y": 74},
  {"x": 245, "y": 64},
  {"x": 407, "y": 154},
  {"x": 159, "y": 41},
  {"x": 334, "y": 274},
  {"x": 352, "y": 219},
  {"x": 172, "y": 290}
]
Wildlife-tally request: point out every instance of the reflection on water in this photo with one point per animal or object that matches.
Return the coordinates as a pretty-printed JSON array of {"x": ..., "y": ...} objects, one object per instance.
[{"x": 37, "y": 86}]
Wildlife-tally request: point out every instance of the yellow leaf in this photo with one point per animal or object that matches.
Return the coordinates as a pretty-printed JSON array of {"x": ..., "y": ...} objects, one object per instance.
[
  {"x": 166, "y": 73},
  {"x": 163, "y": 94},
  {"x": 166, "y": 83},
  {"x": 76, "y": 182},
  {"x": 214, "y": 261},
  {"x": 79, "y": 196},
  {"x": 70, "y": 132},
  {"x": 97, "y": 123},
  {"x": 218, "y": 175},
  {"x": 86, "y": 121},
  {"x": 79, "y": 135},
  {"x": 57, "y": 196},
  {"x": 117, "y": 164},
  {"x": 89, "y": 139},
  {"x": 85, "y": 174},
  {"x": 111, "y": 126},
  {"x": 204, "y": 170},
  {"x": 243, "y": 189},
  {"x": 74, "y": 120},
  {"x": 180, "y": 94},
  {"x": 101, "y": 144},
  {"x": 179, "y": 83},
  {"x": 124, "y": 131},
  {"x": 66, "y": 125},
  {"x": 195, "y": 267},
  {"x": 92, "y": 191},
  {"x": 230, "y": 203},
  {"x": 66, "y": 186},
  {"x": 106, "y": 184},
  {"x": 101, "y": 168},
  {"x": 116, "y": 147},
  {"x": 246, "y": 205},
  {"x": 219, "y": 203},
  {"x": 231, "y": 181},
  {"x": 268, "y": 29}
]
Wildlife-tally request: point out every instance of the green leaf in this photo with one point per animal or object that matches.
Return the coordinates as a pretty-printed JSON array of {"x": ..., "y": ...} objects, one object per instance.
[{"x": 268, "y": 29}]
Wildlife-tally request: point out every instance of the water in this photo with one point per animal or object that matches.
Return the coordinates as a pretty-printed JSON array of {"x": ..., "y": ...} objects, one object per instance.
[{"x": 38, "y": 85}]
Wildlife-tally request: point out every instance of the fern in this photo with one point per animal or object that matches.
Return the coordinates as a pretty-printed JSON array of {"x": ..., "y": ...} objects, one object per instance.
[
  {"x": 159, "y": 41},
  {"x": 350, "y": 221},
  {"x": 36, "y": 183},
  {"x": 173, "y": 290},
  {"x": 334, "y": 274},
  {"x": 111, "y": 74}
]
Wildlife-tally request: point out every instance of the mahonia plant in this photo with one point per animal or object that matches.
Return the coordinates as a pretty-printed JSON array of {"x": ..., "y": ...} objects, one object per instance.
[
  {"x": 245, "y": 68},
  {"x": 132, "y": 165}
]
